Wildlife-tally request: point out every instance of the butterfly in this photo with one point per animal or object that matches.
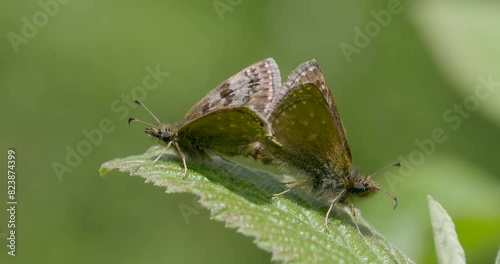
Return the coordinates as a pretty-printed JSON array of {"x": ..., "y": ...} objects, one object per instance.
[
  {"x": 307, "y": 135},
  {"x": 227, "y": 120}
]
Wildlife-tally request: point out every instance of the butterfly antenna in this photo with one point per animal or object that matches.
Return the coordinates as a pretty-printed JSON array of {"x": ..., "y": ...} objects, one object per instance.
[
  {"x": 130, "y": 120},
  {"x": 397, "y": 164},
  {"x": 394, "y": 198},
  {"x": 145, "y": 108}
]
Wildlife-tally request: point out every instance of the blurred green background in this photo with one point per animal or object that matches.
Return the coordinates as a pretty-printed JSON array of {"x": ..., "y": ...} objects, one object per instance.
[{"x": 80, "y": 61}]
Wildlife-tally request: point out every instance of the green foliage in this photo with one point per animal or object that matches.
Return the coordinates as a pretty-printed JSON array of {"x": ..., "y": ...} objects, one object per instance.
[
  {"x": 448, "y": 248},
  {"x": 290, "y": 227}
]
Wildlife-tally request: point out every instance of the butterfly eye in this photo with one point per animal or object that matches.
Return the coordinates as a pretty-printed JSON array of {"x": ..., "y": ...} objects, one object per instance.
[
  {"x": 165, "y": 136},
  {"x": 359, "y": 187}
]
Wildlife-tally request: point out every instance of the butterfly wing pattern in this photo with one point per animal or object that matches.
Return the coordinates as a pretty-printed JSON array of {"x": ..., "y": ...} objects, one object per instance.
[
  {"x": 253, "y": 87},
  {"x": 227, "y": 120},
  {"x": 231, "y": 116},
  {"x": 308, "y": 133}
]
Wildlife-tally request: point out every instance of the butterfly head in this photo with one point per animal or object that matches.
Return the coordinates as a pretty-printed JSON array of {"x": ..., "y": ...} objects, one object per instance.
[
  {"x": 366, "y": 186},
  {"x": 162, "y": 133},
  {"x": 362, "y": 186}
]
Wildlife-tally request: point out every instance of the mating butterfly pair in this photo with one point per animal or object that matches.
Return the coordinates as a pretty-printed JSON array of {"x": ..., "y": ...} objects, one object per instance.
[{"x": 296, "y": 124}]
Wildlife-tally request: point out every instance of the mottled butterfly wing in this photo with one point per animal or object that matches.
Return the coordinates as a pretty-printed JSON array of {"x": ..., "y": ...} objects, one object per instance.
[
  {"x": 253, "y": 87},
  {"x": 229, "y": 119},
  {"x": 310, "y": 72},
  {"x": 225, "y": 131},
  {"x": 308, "y": 133}
]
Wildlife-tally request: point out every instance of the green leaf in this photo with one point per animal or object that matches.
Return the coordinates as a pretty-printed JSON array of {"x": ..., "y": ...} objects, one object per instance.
[
  {"x": 448, "y": 248},
  {"x": 290, "y": 227},
  {"x": 497, "y": 259}
]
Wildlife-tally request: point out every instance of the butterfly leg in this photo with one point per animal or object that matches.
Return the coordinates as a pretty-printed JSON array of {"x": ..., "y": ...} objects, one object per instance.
[
  {"x": 183, "y": 157},
  {"x": 162, "y": 152},
  {"x": 298, "y": 184},
  {"x": 334, "y": 201},
  {"x": 290, "y": 182},
  {"x": 155, "y": 160},
  {"x": 355, "y": 217}
]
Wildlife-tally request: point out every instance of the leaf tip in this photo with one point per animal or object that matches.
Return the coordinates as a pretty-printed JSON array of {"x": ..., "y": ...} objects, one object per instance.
[
  {"x": 103, "y": 170},
  {"x": 448, "y": 247}
]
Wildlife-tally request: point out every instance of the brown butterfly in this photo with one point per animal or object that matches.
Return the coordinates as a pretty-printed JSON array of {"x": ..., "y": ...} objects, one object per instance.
[
  {"x": 308, "y": 136},
  {"x": 227, "y": 120}
]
